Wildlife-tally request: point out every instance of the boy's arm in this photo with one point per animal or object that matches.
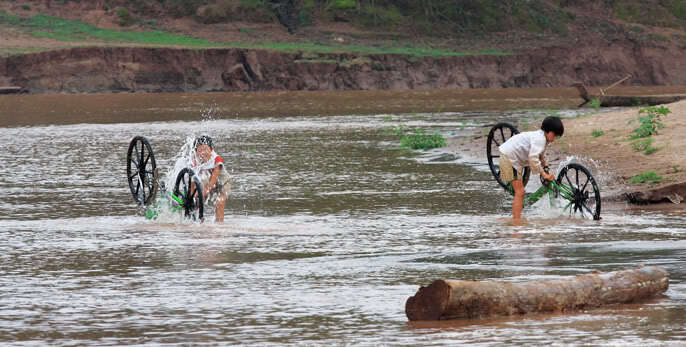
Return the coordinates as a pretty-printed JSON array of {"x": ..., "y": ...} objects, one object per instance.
[
  {"x": 537, "y": 160},
  {"x": 537, "y": 164},
  {"x": 213, "y": 181}
]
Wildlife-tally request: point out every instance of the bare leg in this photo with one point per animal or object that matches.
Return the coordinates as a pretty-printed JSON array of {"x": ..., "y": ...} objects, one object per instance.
[
  {"x": 219, "y": 210},
  {"x": 518, "y": 201}
]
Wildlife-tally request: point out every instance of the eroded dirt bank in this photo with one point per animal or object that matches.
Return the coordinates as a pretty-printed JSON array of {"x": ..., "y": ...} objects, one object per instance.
[{"x": 144, "y": 69}]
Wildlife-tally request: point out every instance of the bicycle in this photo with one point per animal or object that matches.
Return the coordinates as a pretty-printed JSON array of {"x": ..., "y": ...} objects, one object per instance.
[
  {"x": 574, "y": 184},
  {"x": 143, "y": 178}
]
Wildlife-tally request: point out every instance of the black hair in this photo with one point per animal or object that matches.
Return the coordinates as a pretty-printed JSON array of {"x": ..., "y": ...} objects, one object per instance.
[
  {"x": 203, "y": 140},
  {"x": 554, "y": 124}
]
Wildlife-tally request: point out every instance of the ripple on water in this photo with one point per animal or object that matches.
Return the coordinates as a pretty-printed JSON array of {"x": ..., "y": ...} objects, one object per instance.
[{"x": 329, "y": 230}]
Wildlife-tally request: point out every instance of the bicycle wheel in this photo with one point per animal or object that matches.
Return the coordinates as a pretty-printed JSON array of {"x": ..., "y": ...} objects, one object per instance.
[
  {"x": 189, "y": 189},
  {"x": 580, "y": 189},
  {"x": 500, "y": 133},
  {"x": 141, "y": 170}
]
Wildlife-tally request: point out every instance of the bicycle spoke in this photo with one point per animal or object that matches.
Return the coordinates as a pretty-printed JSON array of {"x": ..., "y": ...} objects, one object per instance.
[
  {"x": 588, "y": 179},
  {"x": 581, "y": 211},
  {"x": 145, "y": 162},
  {"x": 566, "y": 191},
  {"x": 150, "y": 185},
  {"x": 502, "y": 134},
  {"x": 568, "y": 207},
  {"x": 568, "y": 180},
  {"x": 140, "y": 159},
  {"x": 135, "y": 150},
  {"x": 587, "y": 209},
  {"x": 194, "y": 194}
]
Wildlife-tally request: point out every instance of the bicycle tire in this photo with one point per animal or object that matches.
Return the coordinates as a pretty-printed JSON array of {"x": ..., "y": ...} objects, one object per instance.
[
  {"x": 498, "y": 134},
  {"x": 193, "y": 202},
  {"x": 141, "y": 170},
  {"x": 585, "y": 195}
]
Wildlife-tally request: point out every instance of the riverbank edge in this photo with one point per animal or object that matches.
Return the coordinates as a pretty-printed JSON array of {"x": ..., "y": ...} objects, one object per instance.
[{"x": 94, "y": 69}]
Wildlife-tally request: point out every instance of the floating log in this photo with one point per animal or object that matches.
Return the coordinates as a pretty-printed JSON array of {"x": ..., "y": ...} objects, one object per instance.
[
  {"x": 627, "y": 100},
  {"x": 456, "y": 299},
  {"x": 11, "y": 90}
]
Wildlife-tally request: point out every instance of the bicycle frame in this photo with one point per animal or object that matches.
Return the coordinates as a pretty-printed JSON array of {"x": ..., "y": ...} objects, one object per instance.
[
  {"x": 174, "y": 203},
  {"x": 553, "y": 189}
]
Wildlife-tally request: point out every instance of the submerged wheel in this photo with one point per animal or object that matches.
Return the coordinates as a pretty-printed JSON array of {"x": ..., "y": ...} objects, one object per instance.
[
  {"x": 141, "y": 170},
  {"x": 500, "y": 133},
  {"x": 580, "y": 189},
  {"x": 189, "y": 189}
]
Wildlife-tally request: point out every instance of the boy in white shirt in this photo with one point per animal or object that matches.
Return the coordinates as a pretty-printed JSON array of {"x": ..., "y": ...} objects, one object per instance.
[{"x": 527, "y": 149}]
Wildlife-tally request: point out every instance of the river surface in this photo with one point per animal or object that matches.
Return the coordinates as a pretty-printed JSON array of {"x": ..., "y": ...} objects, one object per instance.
[{"x": 329, "y": 228}]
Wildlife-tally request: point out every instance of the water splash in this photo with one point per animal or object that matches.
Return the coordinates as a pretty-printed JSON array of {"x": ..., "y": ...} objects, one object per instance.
[
  {"x": 184, "y": 158},
  {"x": 166, "y": 210},
  {"x": 211, "y": 113}
]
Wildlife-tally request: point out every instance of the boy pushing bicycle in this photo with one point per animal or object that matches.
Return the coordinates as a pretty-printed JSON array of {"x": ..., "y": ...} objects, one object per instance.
[{"x": 523, "y": 150}]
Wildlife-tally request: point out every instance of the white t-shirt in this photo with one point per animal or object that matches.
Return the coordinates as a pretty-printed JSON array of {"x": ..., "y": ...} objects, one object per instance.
[
  {"x": 524, "y": 149},
  {"x": 204, "y": 170}
]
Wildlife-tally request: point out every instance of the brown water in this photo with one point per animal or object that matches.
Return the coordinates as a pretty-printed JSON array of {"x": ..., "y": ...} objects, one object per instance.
[{"x": 329, "y": 229}]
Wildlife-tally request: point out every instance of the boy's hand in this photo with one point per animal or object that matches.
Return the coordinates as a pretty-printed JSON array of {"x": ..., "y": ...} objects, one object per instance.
[{"x": 547, "y": 176}]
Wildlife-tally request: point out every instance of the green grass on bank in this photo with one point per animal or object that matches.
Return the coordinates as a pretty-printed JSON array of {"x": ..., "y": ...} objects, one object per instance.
[{"x": 42, "y": 26}]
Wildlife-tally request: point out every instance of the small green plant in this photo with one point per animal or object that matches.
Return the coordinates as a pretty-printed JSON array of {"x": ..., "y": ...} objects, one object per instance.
[
  {"x": 644, "y": 145},
  {"x": 675, "y": 168},
  {"x": 399, "y": 130},
  {"x": 651, "y": 122},
  {"x": 641, "y": 145},
  {"x": 647, "y": 177},
  {"x": 344, "y": 4},
  {"x": 658, "y": 37},
  {"x": 26, "y": 7},
  {"x": 651, "y": 150},
  {"x": 149, "y": 22},
  {"x": 595, "y": 103},
  {"x": 125, "y": 18},
  {"x": 420, "y": 140},
  {"x": 396, "y": 130},
  {"x": 596, "y": 133}
]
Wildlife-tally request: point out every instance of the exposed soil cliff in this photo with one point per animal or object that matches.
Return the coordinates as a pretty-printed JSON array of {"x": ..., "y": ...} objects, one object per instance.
[
  {"x": 588, "y": 44},
  {"x": 141, "y": 69}
]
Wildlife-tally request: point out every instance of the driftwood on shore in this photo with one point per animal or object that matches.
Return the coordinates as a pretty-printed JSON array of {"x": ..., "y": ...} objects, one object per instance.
[
  {"x": 626, "y": 100},
  {"x": 11, "y": 90},
  {"x": 457, "y": 299}
]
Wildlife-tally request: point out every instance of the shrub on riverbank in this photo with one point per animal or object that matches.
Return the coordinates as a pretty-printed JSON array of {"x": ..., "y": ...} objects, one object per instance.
[
  {"x": 420, "y": 140},
  {"x": 651, "y": 122},
  {"x": 647, "y": 177}
]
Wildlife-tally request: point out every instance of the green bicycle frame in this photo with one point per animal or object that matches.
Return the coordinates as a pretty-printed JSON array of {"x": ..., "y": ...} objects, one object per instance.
[
  {"x": 175, "y": 204},
  {"x": 553, "y": 189}
]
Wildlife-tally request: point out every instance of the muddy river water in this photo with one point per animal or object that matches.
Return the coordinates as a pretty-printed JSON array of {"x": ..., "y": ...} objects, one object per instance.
[{"x": 329, "y": 227}]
